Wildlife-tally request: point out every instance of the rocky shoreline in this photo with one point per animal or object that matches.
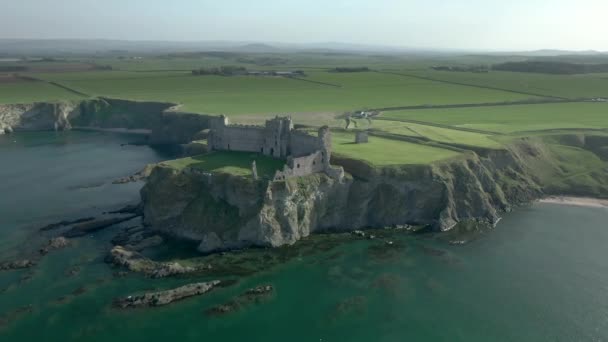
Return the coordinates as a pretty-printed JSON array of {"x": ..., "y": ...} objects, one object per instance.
[{"x": 222, "y": 212}]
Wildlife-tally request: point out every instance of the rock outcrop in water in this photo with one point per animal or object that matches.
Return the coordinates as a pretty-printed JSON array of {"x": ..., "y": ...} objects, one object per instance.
[
  {"x": 249, "y": 297},
  {"x": 16, "y": 265},
  {"x": 166, "y": 297},
  {"x": 55, "y": 244},
  {"x": 120, "y": 256}
]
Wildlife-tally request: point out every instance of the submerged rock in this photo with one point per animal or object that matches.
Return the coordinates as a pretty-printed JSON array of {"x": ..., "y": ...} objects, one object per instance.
[
  {"x": 166, "y": 297},
  {"x": 13, "y": 315},
  {"x": 54, "y": 244},
  {"x": 72, "y": 271},
  {"x": 137, "y": 238},
  {"x": 136, "y": 262},
  {"x": 17, "y": 264},
  {"x": 249, "y": 297},
  {"x": 149, "y": 242},
  {"x": 128, "y": 209},
  {"x": 65, "y": 223},
  {"x": 359, "y": 233},
  {"x": 128, "y": 235},
  {"x": 93, "y": 226}
]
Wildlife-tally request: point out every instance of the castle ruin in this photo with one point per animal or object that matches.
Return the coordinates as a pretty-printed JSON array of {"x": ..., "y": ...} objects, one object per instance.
[{"x": 304, "y": 153}]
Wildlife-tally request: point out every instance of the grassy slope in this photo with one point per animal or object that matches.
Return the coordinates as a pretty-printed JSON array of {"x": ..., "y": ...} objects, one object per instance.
[
  {"x": 382, "y": 152},
  {"x": 507, "y": 119},
  {"x": 235, "y": 163}
]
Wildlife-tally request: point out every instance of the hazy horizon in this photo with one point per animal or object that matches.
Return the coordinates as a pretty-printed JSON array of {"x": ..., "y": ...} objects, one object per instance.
[{"x": 442, "y": 24}]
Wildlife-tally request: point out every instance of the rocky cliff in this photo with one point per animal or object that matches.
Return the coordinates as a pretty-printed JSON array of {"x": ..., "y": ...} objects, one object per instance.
[
  {"x": 37, "y": 116},
  {"x": 165, "y": 122},
  {"x": 223, "y": 212}
]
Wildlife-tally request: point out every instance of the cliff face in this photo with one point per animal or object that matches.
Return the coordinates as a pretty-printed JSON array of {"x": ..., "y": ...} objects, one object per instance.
[
  {"x": 175, "y": 127},
  {"x": 224, "y": 212},
  {"x": 167, "y": 125},
  {"x": 37, "y": 116}
]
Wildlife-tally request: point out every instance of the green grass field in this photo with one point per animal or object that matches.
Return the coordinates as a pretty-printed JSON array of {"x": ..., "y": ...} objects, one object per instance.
[
  {"x": 235, "y": 163},
  {"x": 567, "y": 86},
  {"x": 439, "y": 134},
  {"x": 246, "y": 95},
  {"x": 28, "y": 91},
  {"x": 384, "y": 152},
  {"x": 510, "y": 119},
  {"x": 322, "y": 97}
]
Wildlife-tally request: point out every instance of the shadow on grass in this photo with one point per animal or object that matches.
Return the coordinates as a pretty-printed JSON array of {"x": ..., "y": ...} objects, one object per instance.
[{"x": 238, "y": 163}]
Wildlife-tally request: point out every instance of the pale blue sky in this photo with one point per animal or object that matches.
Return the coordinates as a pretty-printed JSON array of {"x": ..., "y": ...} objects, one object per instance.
[{"x": 460, "y": 24}]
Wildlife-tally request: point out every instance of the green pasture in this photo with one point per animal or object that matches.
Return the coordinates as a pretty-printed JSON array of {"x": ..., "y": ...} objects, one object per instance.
[
  {"x": 30, "y": 91},
  {"x": 235, "y": 163},
  {"x": 250, "y": 95},
  {"x": 384, "y": 152},
  {"x": 439, "y": 134},
  {"x": 510, "y": 119},
  {"x": 566, "y": 86}
]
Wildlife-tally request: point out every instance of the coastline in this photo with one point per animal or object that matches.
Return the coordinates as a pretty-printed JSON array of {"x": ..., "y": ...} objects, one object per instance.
[
  {"x": 576, "y": 201},
  {"x": 114, "y": 130}
]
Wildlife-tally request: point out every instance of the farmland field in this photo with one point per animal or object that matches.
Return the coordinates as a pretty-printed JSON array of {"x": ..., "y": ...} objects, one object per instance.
[
  {"x": 274, "y": 95},
  {"x": 32, "y": 91},
  {"x": 439, "y": 134},
  {"x": 509, "y": 119},
  {"x": 565, "y": 86},
  {"x": 322, "y": 96}
]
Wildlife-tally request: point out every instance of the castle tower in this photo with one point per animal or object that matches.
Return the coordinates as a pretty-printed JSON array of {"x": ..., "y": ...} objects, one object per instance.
[
  {"x": 324, "y": 141},
  {"x": 277, "y": 133}
]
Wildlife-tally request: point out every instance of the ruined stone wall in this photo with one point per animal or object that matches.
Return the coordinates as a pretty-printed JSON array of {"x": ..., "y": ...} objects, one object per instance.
[
  {"x": 305, "y": 153},
  {"x": 238, "y": 138},
  {"x": 302, "y": 166},
  {"x": 271, "y": 139},
  {"x": 303, "y": 144}
]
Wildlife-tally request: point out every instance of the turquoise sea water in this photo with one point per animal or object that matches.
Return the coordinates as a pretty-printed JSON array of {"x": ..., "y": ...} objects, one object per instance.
[{"x": 541, "y": 275}]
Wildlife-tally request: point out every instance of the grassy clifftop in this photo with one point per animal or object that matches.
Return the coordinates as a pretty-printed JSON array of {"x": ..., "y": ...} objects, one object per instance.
[{"x": 229, "y": 162}]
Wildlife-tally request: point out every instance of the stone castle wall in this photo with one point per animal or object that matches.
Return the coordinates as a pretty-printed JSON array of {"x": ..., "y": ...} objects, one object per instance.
[
  {"x": 302, "y": 166},
  {"x": 305, "y": 153},
  {"x": 303, "y": 144}
]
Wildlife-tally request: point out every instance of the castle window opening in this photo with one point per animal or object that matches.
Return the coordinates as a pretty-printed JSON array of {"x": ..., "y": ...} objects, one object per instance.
[{"x": 298, "y": 166}]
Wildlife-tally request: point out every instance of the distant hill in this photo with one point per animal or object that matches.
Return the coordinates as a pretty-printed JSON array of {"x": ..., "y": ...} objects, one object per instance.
[
  {"x": 256, "y": 47},
  {"x": 66, "y": 47}
]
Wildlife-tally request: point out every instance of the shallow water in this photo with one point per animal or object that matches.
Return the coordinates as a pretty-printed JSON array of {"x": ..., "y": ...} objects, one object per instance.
[{"x": 541, "y": 275}]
